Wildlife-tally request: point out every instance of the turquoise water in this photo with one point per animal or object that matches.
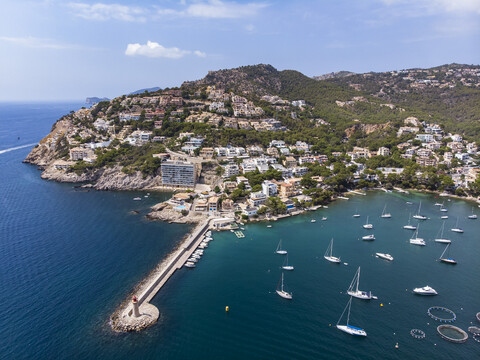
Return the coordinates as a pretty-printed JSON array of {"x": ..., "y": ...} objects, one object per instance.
[{"x": 68, "y": 258}]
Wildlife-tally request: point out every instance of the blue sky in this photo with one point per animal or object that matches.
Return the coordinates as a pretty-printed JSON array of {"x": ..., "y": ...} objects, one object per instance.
[{"x": 59, "y": 50}]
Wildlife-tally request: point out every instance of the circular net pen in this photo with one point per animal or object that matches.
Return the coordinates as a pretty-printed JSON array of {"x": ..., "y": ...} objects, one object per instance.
[
  {"x": 474, "y": 330},
  {"x": 452, "y": 333},
  {"x": 417, "y": 333},
  {"x": 441, "y": 314}
]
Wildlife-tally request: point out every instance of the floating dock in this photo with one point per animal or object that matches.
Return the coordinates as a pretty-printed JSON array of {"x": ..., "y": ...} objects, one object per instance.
[{"x": 239, "y": 234}]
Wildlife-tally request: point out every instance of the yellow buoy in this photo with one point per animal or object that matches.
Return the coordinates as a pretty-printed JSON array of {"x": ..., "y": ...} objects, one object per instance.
[
  {"x": 227, "y": 308},
  {"x": 381, "y": 304}
]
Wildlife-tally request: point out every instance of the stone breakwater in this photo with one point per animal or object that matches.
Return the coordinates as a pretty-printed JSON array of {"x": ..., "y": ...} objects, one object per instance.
[{"x": 123, "y": 319}]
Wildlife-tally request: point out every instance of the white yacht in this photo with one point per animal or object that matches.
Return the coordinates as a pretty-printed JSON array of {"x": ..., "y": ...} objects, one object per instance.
[
  {"x": 189, "y": 264},
  {"x": 444, "y": 217},
  {"x": 447, "y": 259},
  {"x": 415, "y": 240},
  {"x": 137, "y": 198},
  {"x": 456, "y": 228},
  {"x": 328, "y": 254},
  {"x": 313, "y": 220},
  {"x": 384, "y": 256},
  {"x": 440, "y": 238},
  {"x": 280, "y": 291},
  {"x": 286, "y": 266},
  {"x": 279, "y": 250},
  {"x": 349, "y": 329},
  {"x": 473, "y": 216},
  {"x": 418, "y": 215},
  {"x": 426, "y": 290},
  {"x": 368, "y": 237},
  {"x": 356, "y": 215},
  {"x": 367, "y": 225},
  {"x": 192, "y": 260},
  {"x": 408, "y": 226},
  {"x": 385, "y": 214},
  {"x": 353, "y": 289}
]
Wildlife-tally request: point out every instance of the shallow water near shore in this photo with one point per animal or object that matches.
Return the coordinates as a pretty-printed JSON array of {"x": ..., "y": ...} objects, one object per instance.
[{"x": 68, "y": 258}]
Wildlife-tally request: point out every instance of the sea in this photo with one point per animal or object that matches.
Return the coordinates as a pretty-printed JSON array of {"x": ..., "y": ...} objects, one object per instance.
[{"x": 69, "y": 257}]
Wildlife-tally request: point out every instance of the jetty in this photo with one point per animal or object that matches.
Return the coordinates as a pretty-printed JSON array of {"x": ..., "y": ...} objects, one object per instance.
[{"x": 138, "y": 313}]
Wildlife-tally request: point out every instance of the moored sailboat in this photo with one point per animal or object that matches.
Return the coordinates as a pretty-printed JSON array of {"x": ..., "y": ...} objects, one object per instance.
[
  {"x": 349, "y": 329},
  {"x": 286, "y": 266},
  {"x": 418, "y": 215},
  {"x": 367, "y": 225},
  {"x": 415, "y": 240},
  {"x": 456, "y": 228},
  {"x": 281, "y": 292},
  {"x": 447, "y": 259},
  {"x": 385, "y": 214},
  {"x": 440, "y": 238},
  {"x": 279, "y": 250},
  {"x": 408, "y": 226},
  {"x": 353, "y": 289},
  {"x": 328, "y": 254}
]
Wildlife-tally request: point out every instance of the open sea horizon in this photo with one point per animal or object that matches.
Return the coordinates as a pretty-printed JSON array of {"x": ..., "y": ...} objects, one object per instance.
[{"x": 69, "y": 257}]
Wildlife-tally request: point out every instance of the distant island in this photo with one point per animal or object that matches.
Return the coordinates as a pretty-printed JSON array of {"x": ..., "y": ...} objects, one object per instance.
[
  {"x": 95, "y": 100},
  {"x": 256, "y": 142},
  {"x": 141, "y": 91}
]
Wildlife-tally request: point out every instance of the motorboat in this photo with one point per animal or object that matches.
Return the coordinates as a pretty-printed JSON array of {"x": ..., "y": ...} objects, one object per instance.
[
  {"x": 189, "y": 264},
  {"x": 324, "y": 218},
  {"x": 328, "y": 254},
  {"x": 426, "y": 290},
  {"x": 137, "y": 198},
  {"x": 313, "y": 220},
  {"x": 368, "y": 237},
  {"x": 384, "y": 256},
  {"x": 192, "y": 259},
  {"x": 444, "y": 217}
]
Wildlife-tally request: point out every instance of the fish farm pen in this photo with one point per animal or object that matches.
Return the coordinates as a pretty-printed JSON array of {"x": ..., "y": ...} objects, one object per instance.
[{"x": 452, "y": 333}]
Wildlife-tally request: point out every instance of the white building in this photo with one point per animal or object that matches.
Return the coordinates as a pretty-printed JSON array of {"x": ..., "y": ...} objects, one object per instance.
[
  {"x": 425, "y": 137},
  {"x": 231, "y": 170},
  {"x": 269, "y": 188},
  {"x": 178, "y": 173}
]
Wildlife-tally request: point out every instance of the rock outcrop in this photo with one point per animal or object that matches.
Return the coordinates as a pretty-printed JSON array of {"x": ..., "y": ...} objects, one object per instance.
[{"x": 366, "y": 128}]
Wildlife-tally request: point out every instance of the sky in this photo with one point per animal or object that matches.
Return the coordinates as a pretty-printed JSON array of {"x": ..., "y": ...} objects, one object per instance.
[{"x": 68, "y": 50}]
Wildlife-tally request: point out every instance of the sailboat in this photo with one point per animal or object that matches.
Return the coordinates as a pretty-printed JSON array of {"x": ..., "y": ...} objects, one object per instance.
[
  {"x": 353, "y": 289},
  {"x": 385, "y": 214},
  {"x": 473, "y": 216},
  {"x": 367, "y": 225},
  {"x": 456, "y": 228},
  {"x": 285, "y": 264},
  {"x": 408, "y": 226},
  {"x": 356, "y": 215},
  {"x": 349, "y": 329},
  {"x": 280, "y": 250},
  {"x": 280, "y": 291},
  {"x": 440, "y": 238},
  {"x": 368, "y": 237},
  {"x": 447, "y": 259},
  {"x": 417, "y": 215},
  {"x": 328, "y": 254},
  {"x": 443, "y": 208},
  {"x": 415, "y": 240}
]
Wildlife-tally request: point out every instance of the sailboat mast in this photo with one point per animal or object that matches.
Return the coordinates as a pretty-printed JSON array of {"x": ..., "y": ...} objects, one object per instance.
[
  {"x": 358, "y": 280},
  {"x": 349, "y": 306},
  {"x": 282, "y": 281}
]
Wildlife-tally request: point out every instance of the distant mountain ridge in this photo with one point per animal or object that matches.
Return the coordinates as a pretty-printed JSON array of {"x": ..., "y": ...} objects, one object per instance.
[
  {"x": 94, "y": 100},
  {"x": 141, "y": 91}
]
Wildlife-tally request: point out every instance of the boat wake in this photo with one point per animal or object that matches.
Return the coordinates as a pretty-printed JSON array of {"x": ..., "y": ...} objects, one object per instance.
[{"x": 16, "y": 148}]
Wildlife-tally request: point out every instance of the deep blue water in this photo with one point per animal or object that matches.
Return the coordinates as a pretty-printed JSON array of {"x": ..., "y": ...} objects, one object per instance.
[{"x": 68, "y": 258}]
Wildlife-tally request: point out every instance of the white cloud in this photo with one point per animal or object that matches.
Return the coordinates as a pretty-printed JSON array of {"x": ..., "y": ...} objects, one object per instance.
[
  {"x": 250, "y": 28},
  {"x": 155, "y": 50},
  {"x": 103, "y": 12},
  {"x": 39, "y": 43},
  {"x": 222, "y": 9},
  {"x": 438, "y": 6}
]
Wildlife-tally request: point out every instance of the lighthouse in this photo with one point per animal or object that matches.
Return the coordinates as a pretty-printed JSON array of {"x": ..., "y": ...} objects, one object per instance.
[{"x": 136, "y": 311}]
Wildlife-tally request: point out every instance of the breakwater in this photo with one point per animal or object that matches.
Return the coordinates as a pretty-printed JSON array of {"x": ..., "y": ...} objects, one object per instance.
[{"x": 124, "y": 318}]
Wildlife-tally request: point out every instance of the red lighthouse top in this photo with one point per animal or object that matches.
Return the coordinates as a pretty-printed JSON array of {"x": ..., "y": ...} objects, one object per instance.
[{"x": 134, "y": 299}]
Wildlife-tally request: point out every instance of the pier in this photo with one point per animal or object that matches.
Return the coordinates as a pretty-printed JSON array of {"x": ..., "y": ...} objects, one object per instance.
[{"x": 139, "y": 313}]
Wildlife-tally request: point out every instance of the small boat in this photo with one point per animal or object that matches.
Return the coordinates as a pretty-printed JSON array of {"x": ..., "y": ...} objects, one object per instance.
[
  {"x": 324, "y": 218},
  {"x": 137, "y": 198},
  {"x": 440, "y": 238},
  {"x": 409, "y": 203},
  {"x": 269, "y": 226},
  {"x": 447, "y": 259},
  {"x": 286, "y": 266},
  {"x": 328, "y": 254},
  {"x": 279, "y": 250},
  {"x": 208, "y": 233},
  {"x": 456, "y": 228},
  {"x": 242, "y": 228},
  {"x": 443, "y": 209},
  {"x": 353, "y": 289},
  {"x": 192, "y": 260},
  {"x": 368, "y": 237},
  {"x": 385, "y": 215},
  {"x": 280, "y": 291},
  {"x": 349, "y": 329},
  {"x": 367, "y": 225},
  {"x": 313, "y": 220},
  {"x": 384, "y": 256},
  {"x": 196, "y": 256},
  {"x": 418, "y": 215},
  {"x": 438, "y": 204},
  {"x": 189, "y": 264},
  {"x": 444, "y": 217},
  {"x": 325, "y": 206},
  {"x": 356, "y": 215},
  {"x": 473, "y": 216},
  {"x": 415, "y": 240},
  {"x": 426, "y": 290},
  {"x": 408, "y": 226}
]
